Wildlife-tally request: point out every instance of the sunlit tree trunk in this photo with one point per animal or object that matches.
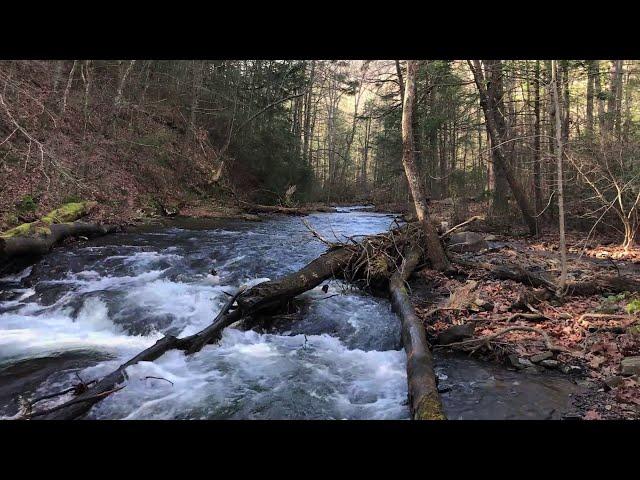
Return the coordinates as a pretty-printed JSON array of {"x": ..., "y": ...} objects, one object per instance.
[
  {"x": 559, "y": 153},
  {"x": 590, "y": 86},
  {"x": 435, "y": 251}
]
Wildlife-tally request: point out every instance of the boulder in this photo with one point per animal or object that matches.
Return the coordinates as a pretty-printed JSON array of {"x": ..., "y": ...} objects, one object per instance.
[{"x": 463, "y": 242}]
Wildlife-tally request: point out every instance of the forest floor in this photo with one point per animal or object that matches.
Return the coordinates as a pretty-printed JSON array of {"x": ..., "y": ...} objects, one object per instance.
[{"x": 597, "y": 331}]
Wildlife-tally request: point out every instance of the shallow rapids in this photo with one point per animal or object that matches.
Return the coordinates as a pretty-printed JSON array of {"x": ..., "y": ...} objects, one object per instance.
[{"x": 82, "y": 311}]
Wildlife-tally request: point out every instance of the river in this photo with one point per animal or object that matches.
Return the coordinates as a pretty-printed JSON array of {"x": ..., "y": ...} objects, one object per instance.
[{"x": 84, "y": 310}]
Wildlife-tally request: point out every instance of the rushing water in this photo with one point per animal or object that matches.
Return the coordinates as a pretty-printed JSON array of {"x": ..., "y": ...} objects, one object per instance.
[{"x": 85, "y": 310}]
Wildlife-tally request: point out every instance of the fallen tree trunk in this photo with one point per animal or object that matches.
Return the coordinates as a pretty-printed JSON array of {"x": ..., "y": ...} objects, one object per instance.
[
  {"x": 603, "y": 284},
  {"x": 424, "y": 399},
  {"x": 24, "y": 244},
  {"x": 260, "y": 297},
  {"x": 47, "y": 237},
  {"x": 272, "y": 293},
  {"x": 82, "y": 403},
  {"x": 253, "y": 208}
]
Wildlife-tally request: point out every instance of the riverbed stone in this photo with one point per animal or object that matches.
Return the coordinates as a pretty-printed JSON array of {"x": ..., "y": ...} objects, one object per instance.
[
  {"x": 541, "y": 356},
  {"x": 519, "y": 362},
  {"x": 550, "y": 363},
  {"x": 571, "y": 369},
  {"x": 630, "y": 366}
]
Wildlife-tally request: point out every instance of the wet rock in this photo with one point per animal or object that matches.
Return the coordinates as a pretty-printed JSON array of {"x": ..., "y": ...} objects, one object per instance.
[
  {"x": 571, "y": 369},
  {"x": 541, "y": 356},
  {"x": 463, "y": 242},
  {"x": 630, "y": 366},
  {"x": 455, "y": 333},
  {"x": 550, "y": 363},
  {"x": 614, "y": 381},
  {"x": 519, "y": 363}
]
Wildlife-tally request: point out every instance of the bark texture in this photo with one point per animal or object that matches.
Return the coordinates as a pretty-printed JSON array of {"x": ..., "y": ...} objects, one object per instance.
[{"x": 424, "y": 399}]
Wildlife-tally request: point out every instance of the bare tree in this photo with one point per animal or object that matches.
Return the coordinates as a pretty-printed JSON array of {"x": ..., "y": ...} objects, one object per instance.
[
  {"x": 435, "y": 251},
  {"x": 497, "y": 144},
  {"x": 559, "y": 154},
  {"x": 123, "y": 79},
  {"x": 65, "y": 96}
]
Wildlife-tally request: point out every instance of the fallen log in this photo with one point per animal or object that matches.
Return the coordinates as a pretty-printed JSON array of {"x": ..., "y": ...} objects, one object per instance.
[
  {"x": 301, "y": 211},
  {"x": 24, "y": 244},
  {"x": 602, "y": 284},
  {"x": 269, "y": 294},
  {"x": 424, "y": 399}
]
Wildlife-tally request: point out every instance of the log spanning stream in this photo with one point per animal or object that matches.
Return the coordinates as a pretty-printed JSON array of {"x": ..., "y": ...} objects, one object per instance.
[{"x": 85, "y": 310}]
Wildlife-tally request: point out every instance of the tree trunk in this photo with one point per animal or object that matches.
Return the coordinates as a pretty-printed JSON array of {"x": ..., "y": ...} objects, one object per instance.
[
  {"x": 559, "y": 153},
  {"x": 424, "y": 399},
  {"x": 65, "y": 96},
  {"x": 537, "y": 175},
  {"x": 496, "y": 144},
  {"x": 435, "y": 250},
  {"x": 123, "y": 79},
  {"x": 590, "y": 86}
]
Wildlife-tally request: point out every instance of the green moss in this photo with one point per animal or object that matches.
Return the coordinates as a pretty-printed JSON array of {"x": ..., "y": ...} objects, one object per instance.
[
  {"x": 21, "y": 230},
  {"x": 66, "y": 213},
  {"x": 429, "y": 408},
  {"x": 633, "y": 307}
]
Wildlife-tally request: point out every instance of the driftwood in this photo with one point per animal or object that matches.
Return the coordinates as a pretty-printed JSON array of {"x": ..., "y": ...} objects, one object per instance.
[
  {"x": 602, "y": 284},
  {"x": 424, "y": 399}
]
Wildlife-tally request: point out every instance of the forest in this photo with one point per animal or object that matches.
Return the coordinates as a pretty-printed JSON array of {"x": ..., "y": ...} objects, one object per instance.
[{"x": 373, "y": 239}]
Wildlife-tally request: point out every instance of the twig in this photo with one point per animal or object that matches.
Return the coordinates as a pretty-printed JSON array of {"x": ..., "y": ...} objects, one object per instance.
[
  {"x": 460, "y": 225},
  {"x": 71, "y": 402},
  {"x": 487, "y": 338},
  {"x": 317, "y": 235},
  {"x": 158, "y": 378}
]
